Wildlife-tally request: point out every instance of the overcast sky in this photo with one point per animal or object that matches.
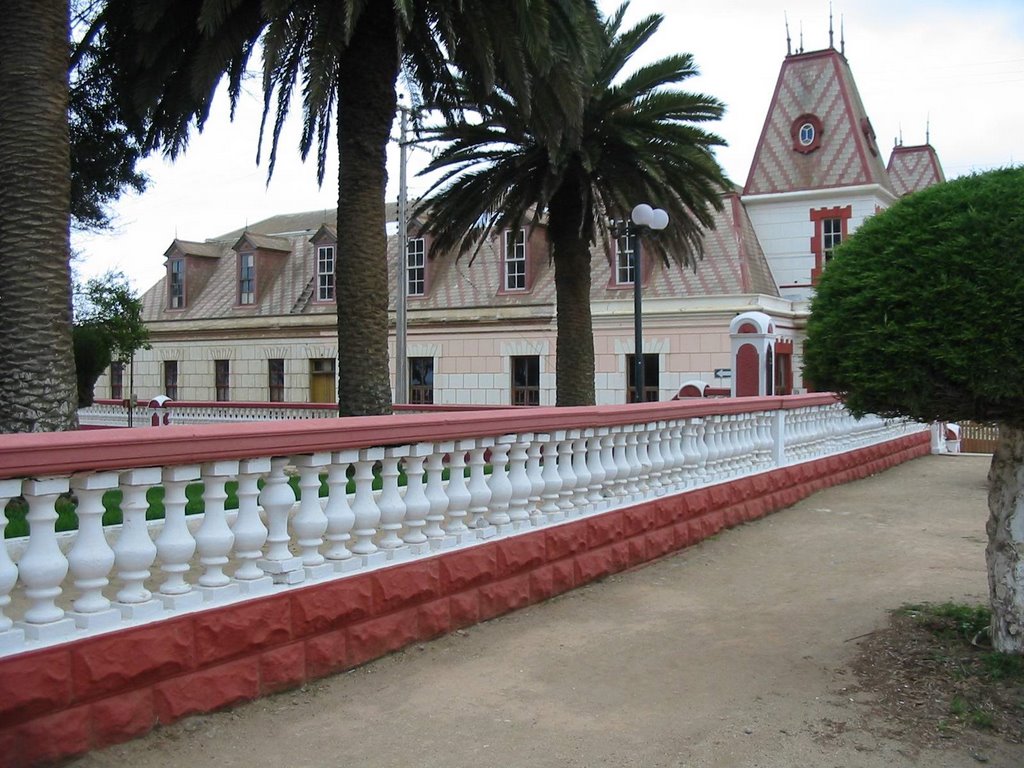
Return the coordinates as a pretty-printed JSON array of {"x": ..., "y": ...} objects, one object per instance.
[{"x": 956, "y": 63}]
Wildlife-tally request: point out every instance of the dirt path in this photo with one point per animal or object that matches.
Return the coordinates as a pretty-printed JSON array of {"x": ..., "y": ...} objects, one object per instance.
[{"x": 731, "y": 653}]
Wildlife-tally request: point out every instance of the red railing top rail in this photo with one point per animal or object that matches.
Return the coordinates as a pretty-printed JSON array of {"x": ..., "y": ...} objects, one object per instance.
[
  {"x": 242, "y": 405},
  {"x": 61, "y": 453}
]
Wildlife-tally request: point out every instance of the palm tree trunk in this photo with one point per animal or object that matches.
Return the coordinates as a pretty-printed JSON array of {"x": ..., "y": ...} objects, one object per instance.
[
  {"x": 37, "y": 369},
  {"x": 574, "y": 353},
  {"x": 368, "y": 71},
  {"x": 1005, "y": 551}
]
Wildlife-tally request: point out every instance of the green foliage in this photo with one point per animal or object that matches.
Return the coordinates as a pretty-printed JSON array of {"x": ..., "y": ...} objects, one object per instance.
[
  {"x": 92, "y": 356},
  {"x": 917, "y": 314}
]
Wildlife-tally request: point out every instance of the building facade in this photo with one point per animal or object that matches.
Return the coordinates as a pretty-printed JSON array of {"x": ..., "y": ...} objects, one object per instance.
[{"x": 250, "y": 315}]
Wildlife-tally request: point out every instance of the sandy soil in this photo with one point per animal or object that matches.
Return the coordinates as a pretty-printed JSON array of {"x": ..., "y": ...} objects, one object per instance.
[{"x": 735, "y": 652}]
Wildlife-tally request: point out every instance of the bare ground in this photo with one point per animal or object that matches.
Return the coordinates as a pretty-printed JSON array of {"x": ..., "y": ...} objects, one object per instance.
[{"x": 736, "y": 652}]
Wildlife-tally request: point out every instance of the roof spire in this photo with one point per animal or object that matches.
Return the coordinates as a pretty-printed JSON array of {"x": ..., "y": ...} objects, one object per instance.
[
  {"x": 789, "y": 43},
  {"x": 842, "y": 36},
  {"x": 899, "y": 142},
  {"x": 801, "y": 38},
  {"x": 831, "y": 38},
  {"x": 928, "y": 129}
]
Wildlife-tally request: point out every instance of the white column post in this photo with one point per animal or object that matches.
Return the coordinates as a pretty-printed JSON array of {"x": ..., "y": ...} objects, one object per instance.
[
  {"x": 91, "y": 558},
  {"x": 277, "y": 499},
  {"x": 519, "y": 480},
  {"x": 214, "y": 539},
  {"x": 501, "y": 489},
  {"x": 479, "y": 489},
  {"x": 437, "y": 498},
  {"x": 310, "y": 522},
  {"x": 250, "y": 532},
  {"x": 778, "y": 434},
  {"x": 459, "y": 496},
  {"x": 552, "y": 479},
  {"x": 9, "y": 636},
  {"x": 175, "y": 545},
  {"x": 417, "y": 505},
  {"x": 135, "y": 552},
  {"x": 366, "y": 510},
  {"x": 392, "y": 507},
  {"x": 340, "y": 517},
  {"x": 43, "y": 566}
]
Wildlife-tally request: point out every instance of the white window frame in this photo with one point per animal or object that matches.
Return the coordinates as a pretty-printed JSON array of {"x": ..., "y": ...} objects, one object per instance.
[
  {"x": 247, "y": 278},
  {"x": 176, "y": 283},
  {"x": 831, "y": 237},
  {"x": 625, "y": 261},
  {"x": 416, "y": 267},
  {"x": 514, "y": 272},
  {"x": 325, "y": 263}
]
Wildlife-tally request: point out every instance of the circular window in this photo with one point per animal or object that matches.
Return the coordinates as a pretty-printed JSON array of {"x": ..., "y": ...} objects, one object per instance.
[{"x": 806, "y": 131}]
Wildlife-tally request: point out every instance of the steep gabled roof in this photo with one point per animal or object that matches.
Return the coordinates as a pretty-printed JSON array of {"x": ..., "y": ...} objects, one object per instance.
[
  {"x": 293, "y": 223},
  {"x": 816, "y": 88},
  {"x": 914, "y": 168},
  {"x": 192, "y": 248},
  {"x": 263, "y": 242}
]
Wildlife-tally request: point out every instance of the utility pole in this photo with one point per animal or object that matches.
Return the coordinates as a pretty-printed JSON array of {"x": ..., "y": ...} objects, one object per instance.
[{"x": 402, "y": 276}]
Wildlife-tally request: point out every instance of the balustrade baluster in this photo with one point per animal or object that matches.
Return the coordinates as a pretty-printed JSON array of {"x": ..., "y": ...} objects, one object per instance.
[
  {"x": 633, "y": 464},
  {"x": 519, "y": 483},
  {"x": 43, "y": 566},
  {"x": 581, "y": 493},
  {"x": 480, "y": 491},
  {"x": 310, "y": 522},
  {"x": 501, "y": 489},
  {"x": 437, "y": 497},
  {"x": 214, "y": 538},
  {"x": 277, "y": 499},
  {"x": 417, "y": 505},
  {"x": 175, "y": 545},
  {"x": 676, "y": 458},
  {"x": 9, "y": 636},
  {"x": 565, "y": 472},
  {"x": 366, "y": 510},
  {"x": 135, "y": 552},
  {"x": 536, "y": 476},
  {"x": 643, "y": 480},
  {"x": 595, "y": 467},
  {"x": 608, "y": 484},
  {"x": 701, "y": 444},
  {"x": 552, "y": 479},
  {"x": 91, "y": 558},
  {"x": 712, "y": 438},
  {"x": 459, "y": 497},
  {"x": 655, "y": 451},
  {"x": 620, "y": 453},
  {"x": 250, "y": 532},
  {"x": 340, "y": 517},
  {"x": 392, "y": 507}
]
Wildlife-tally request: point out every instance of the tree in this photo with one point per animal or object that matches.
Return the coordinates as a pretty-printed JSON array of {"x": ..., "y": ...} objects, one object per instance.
[
  {"x": 639, "y": 141},
  {"x": 918, "y": 316},
  {"x": 108, "y": 327},
  {"x": 345, "y": 56},
  {"x": 104, "y": 153},
  {"x": 37, "y": 385}
]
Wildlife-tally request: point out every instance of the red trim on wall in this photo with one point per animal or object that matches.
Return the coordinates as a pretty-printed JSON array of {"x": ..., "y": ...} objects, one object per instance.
[
  {"x": 68, "y": 699},
  {"x": 818, "y": 215}
]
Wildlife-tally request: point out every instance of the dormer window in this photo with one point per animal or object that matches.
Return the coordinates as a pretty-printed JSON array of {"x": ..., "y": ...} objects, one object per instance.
[
  {"x": 176, "y": 283},
  {"x": 247, "y": 278},
  {"x": 625, "y": 259},
  {"x": 416, "y": 267},
  {"x": 325, "y": 273},
  {"x": 514, "y": 277}
]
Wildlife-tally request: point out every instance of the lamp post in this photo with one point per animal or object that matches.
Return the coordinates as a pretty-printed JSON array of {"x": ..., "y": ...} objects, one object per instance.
[
  {"x": 643, "y": 217},
  {"x": 402, "y": 278}
]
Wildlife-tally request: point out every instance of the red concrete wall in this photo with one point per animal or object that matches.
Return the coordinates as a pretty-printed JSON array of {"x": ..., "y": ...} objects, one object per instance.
[{"x": 71, "y": 698}]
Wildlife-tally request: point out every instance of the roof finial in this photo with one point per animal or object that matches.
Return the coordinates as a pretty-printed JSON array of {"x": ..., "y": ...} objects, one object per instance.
[
  {"x": 801, "y": 37},
  {"x": 831, "y": 38},
  {"x": 842, "y": 36},
  {"x": 789, "y": 43},
  {"x": 928, "y": 129},
  {"x": 900, "y": 142}
]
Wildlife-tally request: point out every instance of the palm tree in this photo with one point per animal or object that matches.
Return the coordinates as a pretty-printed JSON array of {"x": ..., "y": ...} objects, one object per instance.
[
  {"x": 37, "y": 384},
  {"x": 640, "y": 140},
  {"x": 346, "y": 57}
]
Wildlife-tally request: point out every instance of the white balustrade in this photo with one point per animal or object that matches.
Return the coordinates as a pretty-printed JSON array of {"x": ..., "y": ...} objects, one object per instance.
[{"x": 499, "y": 485}]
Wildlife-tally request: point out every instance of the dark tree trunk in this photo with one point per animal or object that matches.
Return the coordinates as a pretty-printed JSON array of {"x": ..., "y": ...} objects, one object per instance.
[
  {"x": 368, "y": 71},
  {"x": 1005, "y": 552},
  {"x": 37, "y": 369},
  {"x": 574, "y": 351}
]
